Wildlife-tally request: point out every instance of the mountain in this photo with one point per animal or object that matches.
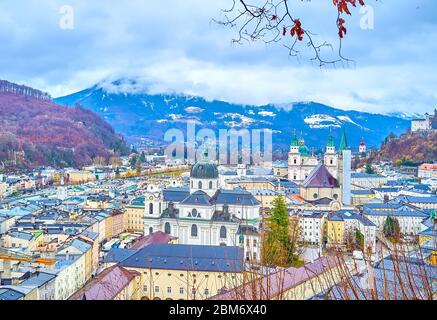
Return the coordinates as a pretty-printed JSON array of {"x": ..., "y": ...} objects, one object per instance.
[
  {"x": 34, "y": 131},
  {"x": 409, "y": 148},
  {"x": 138, "y": 114}
]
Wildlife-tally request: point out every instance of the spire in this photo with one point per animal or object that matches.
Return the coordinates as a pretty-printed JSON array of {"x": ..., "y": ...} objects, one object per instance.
[
  {"x": 295, "y": 142},
  {"x": 343, "y": 145},
  {"x": 301, "y": 140},
  {"x": 330, "y": 141}
]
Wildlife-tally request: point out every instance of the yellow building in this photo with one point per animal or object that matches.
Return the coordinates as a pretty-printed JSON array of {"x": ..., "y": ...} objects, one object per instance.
[
  {"x": 134, "y": 215},
  {"x": 184, "y": 272},
  {"x": 362, "y": 197},
  {"x": 97, "y": 202},
  {"x": 114, "y": 283},
  {"x": 334, "y": 230},
  {"x": 251, "y": 184},
  {"x": 80, "y": 177}
]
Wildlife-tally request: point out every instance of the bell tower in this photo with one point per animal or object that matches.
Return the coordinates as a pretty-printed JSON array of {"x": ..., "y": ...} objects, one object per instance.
[{"x": 331, "y": 157}]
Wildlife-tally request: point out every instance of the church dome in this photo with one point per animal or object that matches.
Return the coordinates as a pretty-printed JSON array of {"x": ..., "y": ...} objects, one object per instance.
[
  {"x": 304, "y": 151},
  {"x": 203, "y": 170}
]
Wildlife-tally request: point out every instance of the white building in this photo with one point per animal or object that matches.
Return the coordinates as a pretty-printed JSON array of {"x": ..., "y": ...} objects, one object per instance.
[
  {"x": 428, "y": 171},
  {"x": 311, "y": 227},
  {"x": 422, "y": 124},
  {"x": 204, "y": 214},
  {"x": 410, "y": 220}
]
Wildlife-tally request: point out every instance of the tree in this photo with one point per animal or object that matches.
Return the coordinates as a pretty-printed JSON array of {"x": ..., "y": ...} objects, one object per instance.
[
  {"x": 99, "y": 161},
  {"x": 392, "y": 228},
  {"x": 133, "y": 161},
  {"x": 369, "y": 169},
  {"x": 273, "y": 21},
  {"x": 359, "y": 238},
  {"x": 143, "y": 157},
  {"x": 138, "y": 167},
  {"x": 115, "y": 161},
  {"x": 280, "y": 244}
]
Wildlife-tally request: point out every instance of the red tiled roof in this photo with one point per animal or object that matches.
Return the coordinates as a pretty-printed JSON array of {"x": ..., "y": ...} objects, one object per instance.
[
  {"x": 107, "y": 285},
  {"x": 428, "y": 166},
  {"x": 156, "y": 237},
  {"x": 320, "y": 178},
  {"x": 274, "y": 285}
]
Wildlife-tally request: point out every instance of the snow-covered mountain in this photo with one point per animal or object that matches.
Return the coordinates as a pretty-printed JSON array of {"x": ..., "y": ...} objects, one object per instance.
[{"x": 137, "y": 114}]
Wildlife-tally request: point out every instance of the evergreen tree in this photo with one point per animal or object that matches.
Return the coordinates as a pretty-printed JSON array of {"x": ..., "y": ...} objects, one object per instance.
[
  {"x": 280, "y": 244},
  {"x": 143, "y": 157},
  {"x": 138, "y": 167},
  {"x": 369, "y": 169},
  {"x": 392, "y": 228},
  {"x": 133, "y": 161}
]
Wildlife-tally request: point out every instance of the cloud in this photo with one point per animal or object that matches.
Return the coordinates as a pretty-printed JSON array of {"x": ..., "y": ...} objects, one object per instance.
[{"x": 173, "y": 46}]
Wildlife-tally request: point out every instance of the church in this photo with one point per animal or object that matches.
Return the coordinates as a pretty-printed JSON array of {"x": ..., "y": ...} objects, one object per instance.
[
  {"x": 203, "y": 213},
  {"x": 301, "y": 162}
]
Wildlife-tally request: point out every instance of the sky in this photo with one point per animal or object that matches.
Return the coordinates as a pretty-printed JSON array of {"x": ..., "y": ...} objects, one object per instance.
[{"x": 175, "y": 46}]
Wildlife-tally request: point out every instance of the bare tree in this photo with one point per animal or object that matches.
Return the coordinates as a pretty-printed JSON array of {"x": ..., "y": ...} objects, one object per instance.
[{"x": 272, "y": 21}]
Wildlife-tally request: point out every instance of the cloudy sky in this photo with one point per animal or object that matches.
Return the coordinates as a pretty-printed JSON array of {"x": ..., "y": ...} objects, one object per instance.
[{"x": 173, "y": 45}]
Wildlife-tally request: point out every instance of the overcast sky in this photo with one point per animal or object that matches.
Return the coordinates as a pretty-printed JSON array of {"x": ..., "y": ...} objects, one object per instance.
[{"x": 173, "y": 45}]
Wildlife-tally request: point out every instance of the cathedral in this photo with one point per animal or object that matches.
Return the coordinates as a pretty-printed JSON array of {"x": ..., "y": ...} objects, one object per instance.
[
  {"x": 205, "y": 214},
  {"x": 301, "y": 162}
]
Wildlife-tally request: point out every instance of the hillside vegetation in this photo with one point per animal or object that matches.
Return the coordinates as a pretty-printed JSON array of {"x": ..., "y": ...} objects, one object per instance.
[{"x": 35, "y": 132}]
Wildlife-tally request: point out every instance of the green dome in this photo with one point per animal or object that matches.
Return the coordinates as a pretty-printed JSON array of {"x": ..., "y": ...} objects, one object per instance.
[
  {"x": 304, "y": 151},
  {"x": 203, "y": 170}
]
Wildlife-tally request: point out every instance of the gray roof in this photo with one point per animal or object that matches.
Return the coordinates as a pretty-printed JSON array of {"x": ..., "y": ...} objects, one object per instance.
[
  {"x": 198, "y": 198},
  {"x": 10, "y": 294},
  {"x": 187, "y": 257},
  {"x": 358, "y": 175},
  {"x": 176, "y": 194},
  {"x": 204, "y": 170},
  {"x": 38, "y": 279},
  {"x": 234, "y": 197},
  {"x": 21, "y": 235},
  {"x": 400, "y": 213},
  {"x": 116, "y": 255}
]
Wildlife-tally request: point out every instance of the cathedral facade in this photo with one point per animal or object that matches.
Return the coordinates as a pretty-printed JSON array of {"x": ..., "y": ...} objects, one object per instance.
[
  {"x": 301, "y": 162},
  {"x": 204, "y": 214}
]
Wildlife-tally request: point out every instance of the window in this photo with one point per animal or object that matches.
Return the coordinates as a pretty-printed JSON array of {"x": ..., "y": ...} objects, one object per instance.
[
  {"x": 200, "y": 185},
  {"x": 181, "y": 290},
  {"x": 150, "y": 230},
  {"x": 167, "y": 228},
  {"x": 335, "y": 196},
  {"x": 157, "y": 289},
  {"x": 169, "y": 290},
  {"x": 223, "y": 232},
  {"x": 295, "y": 161},
  {"x": 194, "y": 231},
  {"x": 145, "y": 288},
  {"x": 206, "y": 292},
  {"x": 315, "y": 196},
  {"x": 210, "y": 185},
  {"x": 151, "y": 208},
  {"x": 195, "y": 214}
]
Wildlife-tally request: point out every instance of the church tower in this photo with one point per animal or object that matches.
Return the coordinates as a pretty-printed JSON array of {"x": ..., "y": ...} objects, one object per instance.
[
  {"x": 344, "y": 169},
  {"x": 363, "y": 147},
  {"x": 294, "y": 160},
  {"x": 331, "y": 158},
  {"x": 204, "y": 176}
]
